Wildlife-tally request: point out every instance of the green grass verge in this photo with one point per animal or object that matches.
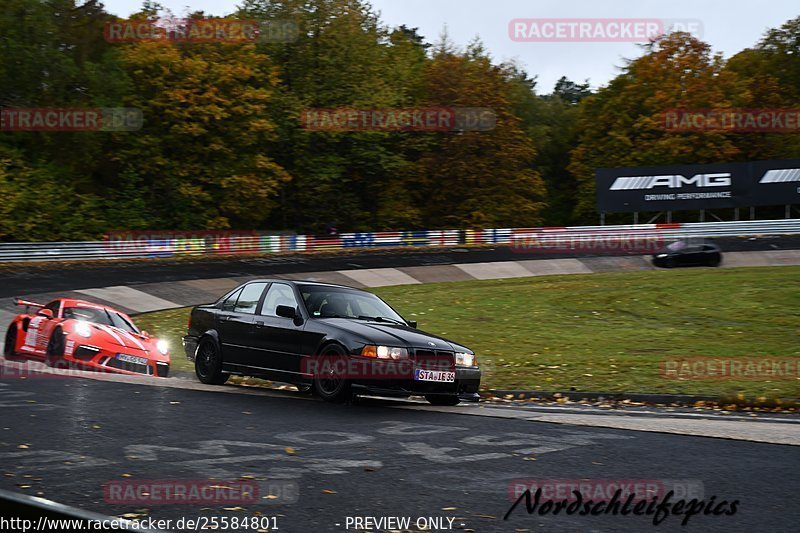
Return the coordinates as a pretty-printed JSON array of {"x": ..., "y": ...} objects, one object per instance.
[{"x": 600, "y": 332}]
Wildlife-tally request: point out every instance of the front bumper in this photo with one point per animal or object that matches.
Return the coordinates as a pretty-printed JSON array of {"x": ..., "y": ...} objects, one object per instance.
[
  {"x": 466, "y": 386},
  {"x": 87, "y": 356},
  {"x": 190, "y": 347}
]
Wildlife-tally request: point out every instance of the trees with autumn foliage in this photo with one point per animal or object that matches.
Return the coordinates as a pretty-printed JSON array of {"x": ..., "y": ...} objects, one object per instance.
[
  {"x": 222, "y": 145},
  {"x": 623, "y": 124}
]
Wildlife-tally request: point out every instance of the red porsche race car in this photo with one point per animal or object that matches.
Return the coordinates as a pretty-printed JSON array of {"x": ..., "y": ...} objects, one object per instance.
[{"x": 78, "y": 334}]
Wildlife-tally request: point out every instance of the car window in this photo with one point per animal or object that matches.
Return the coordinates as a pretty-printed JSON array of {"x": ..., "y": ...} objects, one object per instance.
[
  {"x": 326, "y": 301},
  {"x": 95, "y": 315},
  {"x": 121, "y": 322},
  {"x": 676, "y": 246},
  {"x": 54, "y": 307},
  {"x": 278, "y": 294},
  {"x": 249, "y": 297},
  {"x": 367, "y": 308},
  {"x": 230, "y": 301}
]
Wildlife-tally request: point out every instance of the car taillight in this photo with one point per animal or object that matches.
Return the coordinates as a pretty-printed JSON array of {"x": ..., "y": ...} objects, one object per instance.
[{"x": 189, "y": 324}]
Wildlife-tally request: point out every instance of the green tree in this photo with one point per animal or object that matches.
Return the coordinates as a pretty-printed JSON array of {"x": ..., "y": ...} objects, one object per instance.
[
  {"x": 477, "y": 178},
  {"x": 770, "y": 76},
  {"x": 342, "y": 57},
  {"x": 199, "y": 156},
  {"x": 623, "y": 124}
]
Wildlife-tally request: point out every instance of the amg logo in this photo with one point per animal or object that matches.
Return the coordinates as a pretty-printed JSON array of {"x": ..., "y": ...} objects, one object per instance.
[
  {"x": 675, "y": 181},
  {"x": 781, "y": 175}
]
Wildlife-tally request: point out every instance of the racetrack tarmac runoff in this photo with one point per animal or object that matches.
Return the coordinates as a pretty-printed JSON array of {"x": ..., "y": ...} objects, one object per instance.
[
  {"x": 86, "y": 439},
  {"x": 124, "y": 445}
]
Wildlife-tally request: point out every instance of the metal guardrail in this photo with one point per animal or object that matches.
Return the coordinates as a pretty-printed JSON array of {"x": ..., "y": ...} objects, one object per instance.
[{"x": 175, "y": 244}]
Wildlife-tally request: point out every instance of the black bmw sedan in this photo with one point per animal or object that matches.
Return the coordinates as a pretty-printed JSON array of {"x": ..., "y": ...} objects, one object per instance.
[{"x": 334, "y": 340}]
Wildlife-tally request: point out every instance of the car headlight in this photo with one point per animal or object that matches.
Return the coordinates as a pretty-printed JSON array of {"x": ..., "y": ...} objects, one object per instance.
[
  {"x": 661, "y": 256},
  {"x": 466, "y": 359},
  {"x": 163, "y": 347},
  {"x": 83, "y": 329},
  {"x": 384, "y": 352}
]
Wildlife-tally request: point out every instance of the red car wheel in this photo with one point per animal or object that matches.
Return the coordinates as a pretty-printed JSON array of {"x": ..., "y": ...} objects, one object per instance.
[
  {"x": 55, "y": 349},
  {"x": 11, "y": 342}
]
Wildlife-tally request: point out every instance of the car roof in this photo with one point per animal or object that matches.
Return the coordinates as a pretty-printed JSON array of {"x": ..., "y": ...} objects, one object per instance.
[
  {"x": 74, "y": 302},
  {"x": 302, "y": 282}
]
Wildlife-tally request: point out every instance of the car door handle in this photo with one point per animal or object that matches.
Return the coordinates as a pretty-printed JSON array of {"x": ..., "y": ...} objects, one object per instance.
[
  {"x": 260, "y": 323},
  {"x": 224, "y": 318}
]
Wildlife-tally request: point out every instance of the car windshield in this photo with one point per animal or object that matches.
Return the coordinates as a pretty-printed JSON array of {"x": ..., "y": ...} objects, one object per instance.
[
  {"x": 677, "y": 246},
  {"x": 327, "y": 302},
  {"x": 97, "y": 315}
]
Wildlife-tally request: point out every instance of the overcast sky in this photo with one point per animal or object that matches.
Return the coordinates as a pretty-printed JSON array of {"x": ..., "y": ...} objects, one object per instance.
[{"x": 728, "y": 25}]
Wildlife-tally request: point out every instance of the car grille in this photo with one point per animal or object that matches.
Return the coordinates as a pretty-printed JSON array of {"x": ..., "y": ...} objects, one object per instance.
[
  {"x": 435, "y": 360},
  {"x": 130, "y": 367},
  {"x": 162, "y": 370},
  {"x": 85, "y": 353}
]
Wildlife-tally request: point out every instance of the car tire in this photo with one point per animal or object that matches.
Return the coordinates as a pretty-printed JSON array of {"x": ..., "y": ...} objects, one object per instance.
[
  {"x": 11, "y": 342},
  {"x": 442, "y": 400},
  {"x": 332, "y": 385},
  {"x": 208, "y": 363},
  {"x": 54, "y": 354}
]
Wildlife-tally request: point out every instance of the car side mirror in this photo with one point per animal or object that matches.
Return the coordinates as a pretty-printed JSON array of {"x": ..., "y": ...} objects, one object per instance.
[
  {"x": 286, "y": 311},
  {"x": 47, "y": 313},
  {"x": 412, "y": 323}
]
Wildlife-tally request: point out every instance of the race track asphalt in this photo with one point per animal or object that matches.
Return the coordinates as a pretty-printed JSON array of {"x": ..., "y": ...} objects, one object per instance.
[
  {"x": 66, "y": 438},
  {"x": 319, "y": 467}
]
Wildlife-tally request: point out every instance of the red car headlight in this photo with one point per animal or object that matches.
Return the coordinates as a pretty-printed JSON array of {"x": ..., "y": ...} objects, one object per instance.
[
  {"x": 162, "y": 346},
  {"x": 83, "y": 329}
]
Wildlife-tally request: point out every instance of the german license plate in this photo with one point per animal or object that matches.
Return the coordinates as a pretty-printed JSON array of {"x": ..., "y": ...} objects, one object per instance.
[
  {"x": 132, "y": 359},
  {"x": 434, "y": 375}
]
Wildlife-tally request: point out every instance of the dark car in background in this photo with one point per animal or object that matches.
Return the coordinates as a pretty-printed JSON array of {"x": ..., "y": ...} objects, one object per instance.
[
  {"x": 336, "y": 340},
  {"x": 687, "y": 253}
]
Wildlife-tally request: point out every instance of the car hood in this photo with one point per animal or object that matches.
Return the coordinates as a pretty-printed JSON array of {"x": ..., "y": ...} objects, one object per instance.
[
  {"x": 382, "y": 333},
  {"x": 115, "y": 336}
]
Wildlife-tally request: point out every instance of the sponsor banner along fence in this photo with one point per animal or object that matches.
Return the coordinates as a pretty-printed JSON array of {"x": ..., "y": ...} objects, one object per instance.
[{"x": 639, "y": 239}]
